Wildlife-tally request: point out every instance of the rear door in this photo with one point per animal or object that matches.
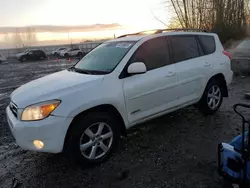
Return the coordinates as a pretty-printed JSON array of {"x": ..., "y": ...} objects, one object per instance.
[
  {"x": 191, "y": 68},
  {"x": 155, "y": 91},
  {"x": 74, "y": 51},
  {"x": 37, "y": 54}
]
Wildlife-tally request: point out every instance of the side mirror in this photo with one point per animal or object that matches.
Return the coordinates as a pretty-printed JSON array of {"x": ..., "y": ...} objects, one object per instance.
[{"x": 137, "y": 68}]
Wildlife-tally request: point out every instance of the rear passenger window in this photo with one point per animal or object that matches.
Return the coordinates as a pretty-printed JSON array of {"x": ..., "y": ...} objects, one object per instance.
[
  {"x": 184, "y": 47},
  {"x": 208, "y": 42},
  {"x": 154, "y": 53}
]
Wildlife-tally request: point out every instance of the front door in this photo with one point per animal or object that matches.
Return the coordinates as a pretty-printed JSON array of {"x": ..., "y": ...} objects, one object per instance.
[
  {"x": 153, "y": 92},
  {"x": 31, "y": 55}
]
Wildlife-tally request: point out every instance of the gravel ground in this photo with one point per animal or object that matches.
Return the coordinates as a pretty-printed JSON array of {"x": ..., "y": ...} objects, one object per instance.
[{"x": 176, "y": 150}]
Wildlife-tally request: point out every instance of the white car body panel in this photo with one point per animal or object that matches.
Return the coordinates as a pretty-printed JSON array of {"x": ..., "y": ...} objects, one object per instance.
[
  {"x": 70, "y": 52},
  {"x": 137, "y": 98},
  {"x": 139, "y": 90},
  {"x": 3, "y": 58}
]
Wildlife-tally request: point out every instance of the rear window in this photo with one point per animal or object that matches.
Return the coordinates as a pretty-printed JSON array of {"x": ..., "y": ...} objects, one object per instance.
[{"x": 208, "y": 42}]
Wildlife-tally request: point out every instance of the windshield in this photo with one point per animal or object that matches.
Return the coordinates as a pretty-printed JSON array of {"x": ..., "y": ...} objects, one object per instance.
[
  {"x": 244, "y": 44},
  {"x": 105, "y": 57},
  {"x": 26, "y": 51}
]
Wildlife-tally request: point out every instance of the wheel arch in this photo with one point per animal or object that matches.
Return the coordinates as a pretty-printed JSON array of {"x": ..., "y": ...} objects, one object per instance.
[
  {"x": 222, "y": 81},
  {"x": 100, "y": 108}
]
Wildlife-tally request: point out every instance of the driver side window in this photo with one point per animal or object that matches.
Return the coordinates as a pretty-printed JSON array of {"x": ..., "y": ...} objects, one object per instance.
[{"x": 154, "y": 53}]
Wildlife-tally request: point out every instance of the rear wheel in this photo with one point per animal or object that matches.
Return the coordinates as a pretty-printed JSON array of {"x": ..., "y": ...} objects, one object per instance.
[
  {"x": 66, "y": 55},
  {"x": 79, "y": 54},
  {"x": 93, "y": 138},
  {"x": 212, "y": 98}
]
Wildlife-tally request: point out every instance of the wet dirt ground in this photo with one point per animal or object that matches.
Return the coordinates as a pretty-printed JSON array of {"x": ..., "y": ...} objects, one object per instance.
[{"x": 176, "y": 150}]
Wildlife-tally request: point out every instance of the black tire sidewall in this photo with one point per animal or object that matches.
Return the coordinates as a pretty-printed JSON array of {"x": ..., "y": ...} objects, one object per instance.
[
  {"x": 80, "y": 125},
  {"x": 203, "y": 104},
  {"x": 23, "y": 59}
]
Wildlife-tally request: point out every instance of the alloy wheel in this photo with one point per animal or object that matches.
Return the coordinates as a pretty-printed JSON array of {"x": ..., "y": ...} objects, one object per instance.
[
  {"x": 96, "y": 141},
  {"x": 214, "y": 97}
]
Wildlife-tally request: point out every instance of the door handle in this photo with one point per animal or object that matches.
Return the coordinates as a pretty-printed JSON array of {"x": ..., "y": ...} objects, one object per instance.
[
  {"x": 207, "y": 64},
  {"x": 170, "y": 74}
]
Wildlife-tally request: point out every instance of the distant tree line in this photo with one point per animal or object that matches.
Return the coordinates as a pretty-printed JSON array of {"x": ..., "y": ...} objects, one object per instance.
[
  {"x": 228, "y": 18},
  {"x": 21, "y": 39}
]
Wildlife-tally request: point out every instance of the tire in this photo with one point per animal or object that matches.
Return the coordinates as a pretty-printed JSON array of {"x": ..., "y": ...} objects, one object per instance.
[
  {"x": 23, "y": 59},
  {"x": 212, "y": 98},
  {"x": 66, "y": 55},
  {"x": 84, "y": 132},
  {"x": 0, "y": 61},
  {"x": 79, "y": 54}
]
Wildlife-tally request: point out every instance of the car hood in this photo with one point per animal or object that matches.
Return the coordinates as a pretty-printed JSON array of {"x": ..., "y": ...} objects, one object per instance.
[
  {"x": 20, "y": 54},
  {"x": 240, "y": 52},
  {"x": 54, "y": 86}
]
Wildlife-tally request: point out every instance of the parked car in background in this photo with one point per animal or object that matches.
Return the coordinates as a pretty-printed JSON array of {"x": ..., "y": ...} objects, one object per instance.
[
  {"x": 57, "y": 52},
  {"x": 3, "y": 59},
  {"x": 121, "y": 83},
  {"x": 241, "y": 57},
  {"x": 31, "y": 55},
  {"x": 71, "y": 52},
  {"x": 23, "y": 53},
  {"x": 241, "y": 50}
]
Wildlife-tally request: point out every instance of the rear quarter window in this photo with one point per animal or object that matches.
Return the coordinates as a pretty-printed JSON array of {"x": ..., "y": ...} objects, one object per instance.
[{"x": 208, "y": 43}]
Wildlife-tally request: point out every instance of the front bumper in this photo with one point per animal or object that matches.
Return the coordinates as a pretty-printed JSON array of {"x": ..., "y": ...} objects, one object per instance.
[{"x": 51, "y": 131}]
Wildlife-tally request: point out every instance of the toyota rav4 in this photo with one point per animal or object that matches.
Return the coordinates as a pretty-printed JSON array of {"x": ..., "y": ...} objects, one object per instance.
[{"x": 123, "y": 82}]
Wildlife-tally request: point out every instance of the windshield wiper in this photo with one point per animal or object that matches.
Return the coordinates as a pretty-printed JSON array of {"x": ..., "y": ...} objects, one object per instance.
[
  {"x": 97, "y": 72},
  {"x": 78, "y": 70},
  {"x": 84, "y": 71}
]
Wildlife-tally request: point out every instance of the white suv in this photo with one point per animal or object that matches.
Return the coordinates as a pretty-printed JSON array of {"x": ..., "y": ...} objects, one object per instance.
[
  {"x": 119, "y": 84},
  {"x": 71, "y": 52}
]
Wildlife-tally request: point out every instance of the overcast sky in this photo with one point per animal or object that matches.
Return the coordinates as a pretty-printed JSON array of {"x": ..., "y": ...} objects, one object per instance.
[{"x": 80, "y": 12}]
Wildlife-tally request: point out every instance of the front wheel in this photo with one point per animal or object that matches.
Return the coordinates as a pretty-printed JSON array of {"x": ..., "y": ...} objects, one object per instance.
[
  {"x": 93, "y": 138},
  {"x": 212, "y": 98},
  {"x": 23, "y": 59}
]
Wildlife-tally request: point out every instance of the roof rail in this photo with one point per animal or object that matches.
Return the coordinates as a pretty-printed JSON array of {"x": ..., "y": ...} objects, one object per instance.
[{"x": 156, "y": 31}]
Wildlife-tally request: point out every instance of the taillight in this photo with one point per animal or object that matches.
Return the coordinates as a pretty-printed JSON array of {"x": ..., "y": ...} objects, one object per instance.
[{"x": 227, "y": 54}]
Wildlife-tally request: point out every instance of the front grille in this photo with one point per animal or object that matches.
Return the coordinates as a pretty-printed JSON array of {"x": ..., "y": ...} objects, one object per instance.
[{"x": 13, "y": 108}]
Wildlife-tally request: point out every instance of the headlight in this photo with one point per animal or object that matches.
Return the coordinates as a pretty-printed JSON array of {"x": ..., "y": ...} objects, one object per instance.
[{"x": 39, "y": 111}]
